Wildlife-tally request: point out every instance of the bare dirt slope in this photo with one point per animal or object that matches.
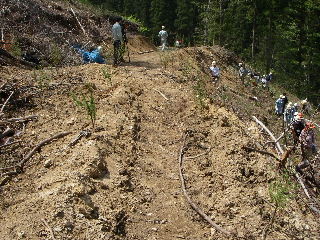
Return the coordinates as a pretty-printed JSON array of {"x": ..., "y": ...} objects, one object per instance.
[{"x": 122, "y": 182}]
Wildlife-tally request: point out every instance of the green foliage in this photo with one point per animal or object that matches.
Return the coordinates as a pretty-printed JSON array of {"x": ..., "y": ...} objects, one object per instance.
[
  {"x": 56, "y": 55},
  {"x": 42, "y": 78},
  {"x": 142, "y": 28},
  {"x": 281, "y": 190},
  {"x": 200, "y": 93},
  {"x": 279, "y": 35},
  {"x": 16, "y": 49},
  {"x": 106, "y": 75},
  {"x": 87, "y": 103}
]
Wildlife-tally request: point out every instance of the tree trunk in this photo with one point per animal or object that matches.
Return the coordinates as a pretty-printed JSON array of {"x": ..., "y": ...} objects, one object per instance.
[{"x": 253, "y": 32}]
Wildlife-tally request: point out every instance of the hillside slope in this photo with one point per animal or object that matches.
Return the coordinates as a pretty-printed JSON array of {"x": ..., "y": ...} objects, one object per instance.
[{"x": 122, "y": 181}]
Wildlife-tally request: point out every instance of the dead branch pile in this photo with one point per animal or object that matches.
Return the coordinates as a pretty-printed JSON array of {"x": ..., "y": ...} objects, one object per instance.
[{"x": 44, "y": 31}]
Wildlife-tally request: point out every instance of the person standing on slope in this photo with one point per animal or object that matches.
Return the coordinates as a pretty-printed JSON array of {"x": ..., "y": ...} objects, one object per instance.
[
  {"x": 124, "y": 40},
  {"x": 215, "y": 72},
  {"x": 279, "y": 105},
  {"x": 296, "y": 126},
  {"x": 308, "y": 147},
  {"x": 242, "y": 72},
  {"x": 117, "y": 40},
  {"x": 163, "y": 35}
]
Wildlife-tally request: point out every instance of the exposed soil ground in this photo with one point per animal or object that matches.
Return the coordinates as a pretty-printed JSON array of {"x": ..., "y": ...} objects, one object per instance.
[{"x": 122, "y": 182}]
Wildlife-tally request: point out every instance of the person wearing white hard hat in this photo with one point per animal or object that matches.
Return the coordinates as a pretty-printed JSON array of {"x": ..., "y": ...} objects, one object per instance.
[
  {"x": 215, "y": 72},
  {"x": 163, "y": 35},
  {"x": 242, "y": 72},
  {"x": 296, "y": 126},
  {"x": 288, "y": 113},
  {"x": 279, "y": 105},
  {"x": 305, "y": 107}
]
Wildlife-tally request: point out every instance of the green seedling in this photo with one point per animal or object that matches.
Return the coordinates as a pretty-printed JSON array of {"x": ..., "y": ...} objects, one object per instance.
[
  {"x": 42, "y": 79},
  {"x": 200, "y": 93},
  {"x": 87, "y": 103},
  {"x": 281, "y": 192},
  {"x": 106, "y": 75}
]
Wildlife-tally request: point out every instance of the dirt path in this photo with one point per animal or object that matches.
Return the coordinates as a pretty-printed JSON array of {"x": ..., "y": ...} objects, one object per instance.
[{"x": 163, "y": 212}]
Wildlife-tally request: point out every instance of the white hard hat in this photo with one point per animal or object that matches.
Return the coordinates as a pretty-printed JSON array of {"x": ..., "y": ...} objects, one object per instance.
[
  {"x": 213, "y": 62},
  {"x": 99, "y": 48},
  {"x": 163, "y": 27}
]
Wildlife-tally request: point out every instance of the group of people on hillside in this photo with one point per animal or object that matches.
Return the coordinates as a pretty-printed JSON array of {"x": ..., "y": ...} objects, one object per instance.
[
  {"x": 259, "y": 79},
  {"x": 119, "y": 45},
  {"x": 302, "y": 130},
  {"x": 243, "y": 73}
]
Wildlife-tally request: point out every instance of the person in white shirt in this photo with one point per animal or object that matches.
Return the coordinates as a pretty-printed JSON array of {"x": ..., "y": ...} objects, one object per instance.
[
  {"x": 215, "y": 72},
  {"x": 163, "y": 35},
  {"x": 117, "y": 41}
]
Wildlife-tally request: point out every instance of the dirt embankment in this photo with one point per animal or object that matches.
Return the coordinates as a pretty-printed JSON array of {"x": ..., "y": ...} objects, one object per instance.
[
  {"x": 122, "y": 181},
  {"x": 44, "y": 31}
]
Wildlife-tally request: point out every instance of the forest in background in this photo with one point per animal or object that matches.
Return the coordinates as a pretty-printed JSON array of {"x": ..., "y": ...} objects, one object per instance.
[{"x": 282, "y": 36}]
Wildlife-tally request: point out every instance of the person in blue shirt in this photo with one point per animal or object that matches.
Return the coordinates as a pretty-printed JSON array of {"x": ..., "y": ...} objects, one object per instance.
[
  {"x": 93, "y": 56},
  {"x": 279, "y": 105}
]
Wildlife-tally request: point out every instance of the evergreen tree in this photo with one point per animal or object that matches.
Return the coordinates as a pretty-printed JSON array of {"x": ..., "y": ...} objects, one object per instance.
[{"x": 185, "y": 20}]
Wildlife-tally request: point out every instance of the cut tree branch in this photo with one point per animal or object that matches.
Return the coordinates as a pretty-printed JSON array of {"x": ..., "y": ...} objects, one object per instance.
[
  {"x": 6, "y": 101},
  {"x": 22, "y": 119},
  {"x": 199, "y": 155},
  {"x": 279, "y": 148},
  {"x": 8, "y": 144},
  {"x": 40, "y": 145},
  {"x": 19, "y": 167},
  {"x": 262, "y": 152},
  {"x": 74, "y": 14},
  {"x": 185, "y": 193},
  {"x": 164, "y": 96},
  {"x": 313, "y": 208},
  {"x": 45, "y": 223}
]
